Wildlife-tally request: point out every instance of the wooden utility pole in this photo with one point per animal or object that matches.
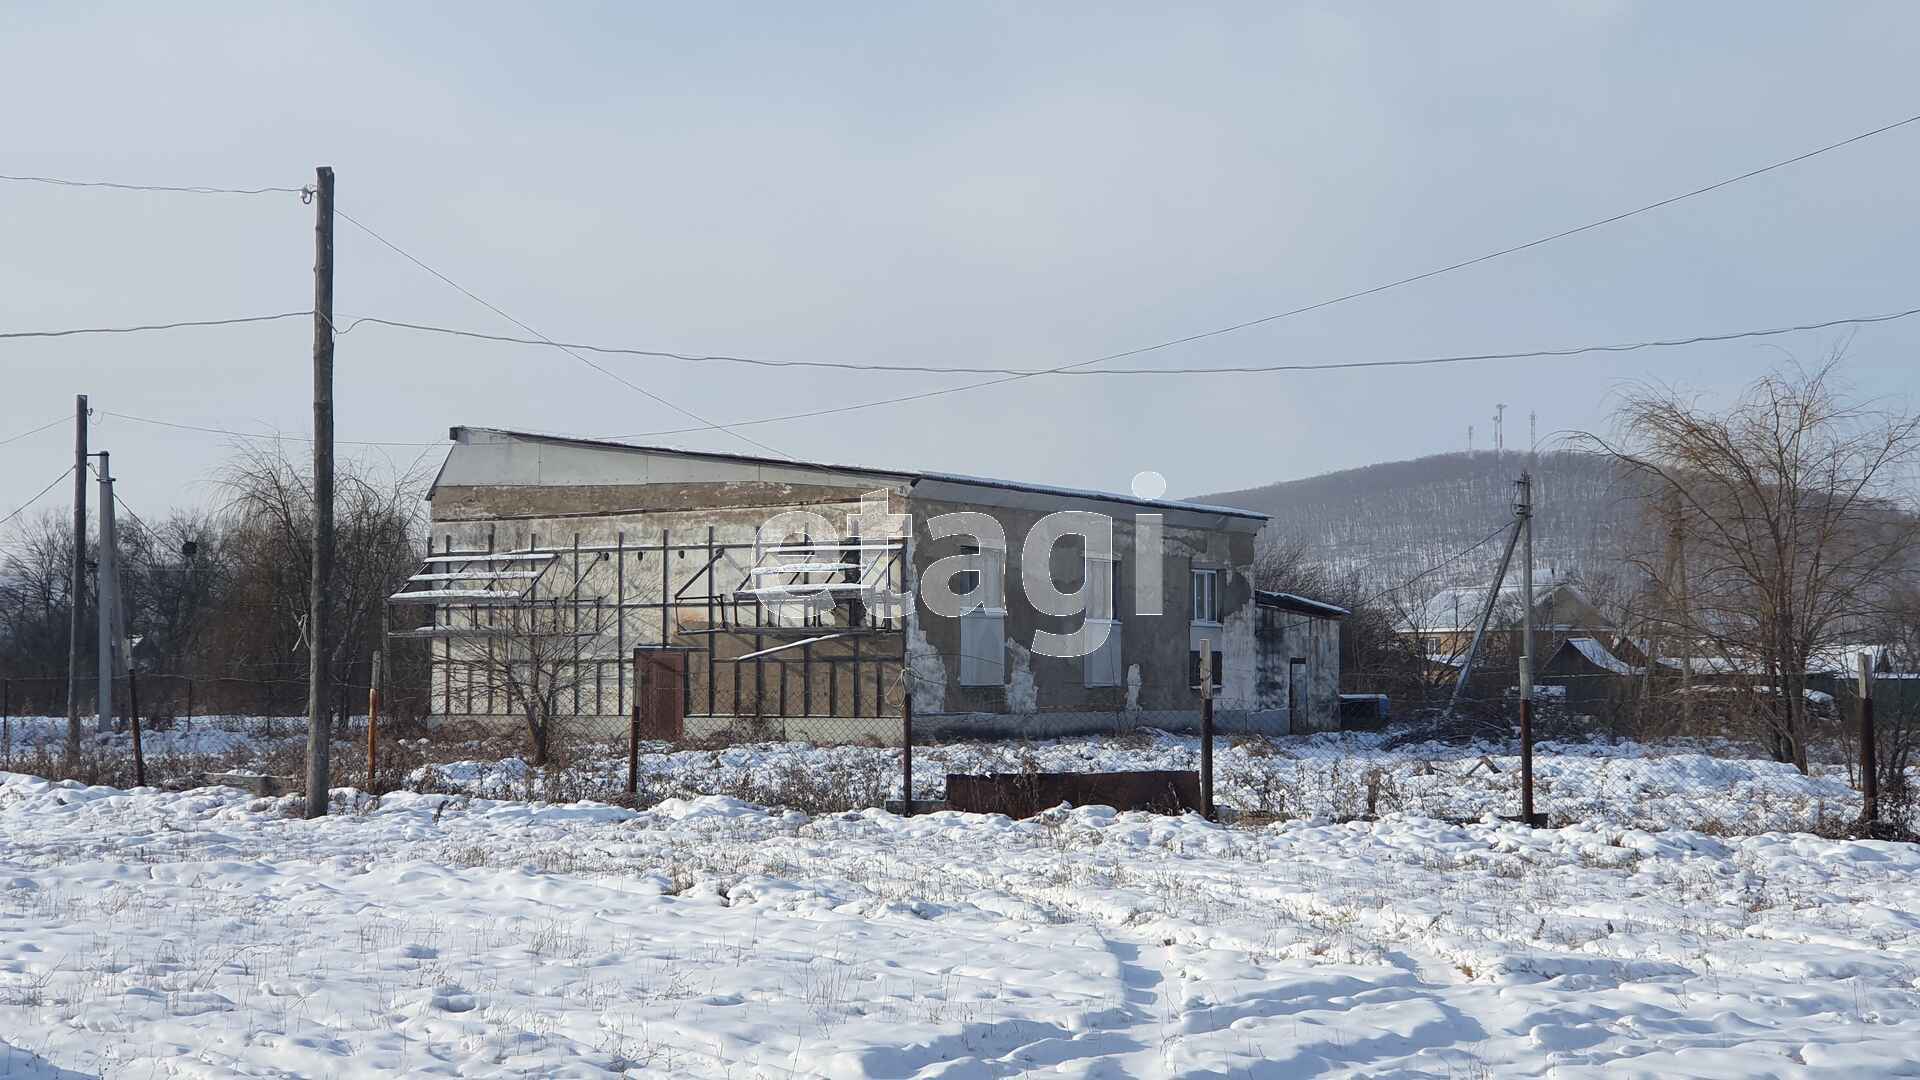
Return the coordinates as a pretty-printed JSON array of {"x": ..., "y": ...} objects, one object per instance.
[
  {"x": 373, "y": 721},
  {"x": 1869, "y": 764},
  {"x": 319, "y": 776},
  {"x": 76, "y": 642},
  {"x": 105, "y": 601},
  {"x": 133, "y": 723},
  {"x": 1486, "y": 615},
  {"x": 1206, "y": 728}
]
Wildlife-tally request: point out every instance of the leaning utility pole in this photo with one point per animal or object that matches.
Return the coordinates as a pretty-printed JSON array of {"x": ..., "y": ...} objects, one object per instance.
[
  {"x": 76, "y": 641},
  {"x": 318, "y": 775},
  {"x": 1486, "y": 615},
  {"x": 1523, "y": 509},
  {"x": 106, "y": 599}
]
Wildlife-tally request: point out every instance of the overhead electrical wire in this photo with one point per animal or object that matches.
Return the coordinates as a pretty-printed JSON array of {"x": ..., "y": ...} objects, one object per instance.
[
  {"x": 271, "y": 436},
  {"x": 34, "y": 431},
  {"x": 22, "y": 508},
  {"x": 616, "y": 376},
  {"x": 1512, "y": 250},
  {"x": 1243, "y": 369},
  {"x": 1015, "y": 375},
  {"x": 62, "y": 181},
  {"x": 143, "y": 328},
  {"x": 1575, "y": 350}
]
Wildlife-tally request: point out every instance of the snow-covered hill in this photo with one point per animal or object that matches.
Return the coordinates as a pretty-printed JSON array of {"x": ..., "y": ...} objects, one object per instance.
[{"x": 1396, "y": 519}]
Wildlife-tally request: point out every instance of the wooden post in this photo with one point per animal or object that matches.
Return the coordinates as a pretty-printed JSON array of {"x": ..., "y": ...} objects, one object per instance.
[
  {"x": 6, "y": 721},
  {"x": 319, "y": 776},
  {"x": 1524, "y": 508},
  {"x": 77, "y": 637},
  {"x": 640, "y": 684},
  {"x": 906, "y": 754},
  {"x": 1869, "y": 765},
  {"x": 103, "y": 601},
  {"x": 1206, "y": 728},
  {"x": 373, "y": 719},
  {"x": 133, "y": 720}
]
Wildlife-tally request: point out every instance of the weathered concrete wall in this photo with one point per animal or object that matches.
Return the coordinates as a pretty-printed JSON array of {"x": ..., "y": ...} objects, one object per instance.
[
  {"x": 1154, "y": 648},
  {"x": 500, "y": 492},
  {"x": 1308, "y": 697}
]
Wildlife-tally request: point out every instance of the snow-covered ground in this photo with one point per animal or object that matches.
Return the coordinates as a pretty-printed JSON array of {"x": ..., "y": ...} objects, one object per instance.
[{"x": 209, "y": 934}]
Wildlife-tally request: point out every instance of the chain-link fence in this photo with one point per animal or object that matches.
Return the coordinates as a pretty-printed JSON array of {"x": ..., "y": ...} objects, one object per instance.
[{"x": 1715, "y": 759}]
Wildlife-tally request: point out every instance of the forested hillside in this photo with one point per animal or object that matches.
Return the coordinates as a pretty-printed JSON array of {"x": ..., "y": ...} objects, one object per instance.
[{"x": 1390, "y": 521}]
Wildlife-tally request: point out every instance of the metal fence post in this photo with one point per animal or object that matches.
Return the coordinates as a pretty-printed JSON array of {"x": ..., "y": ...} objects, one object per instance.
[
  {"x": 906, "y": 753},
  {"x": 1869, "y": 766},
  {"x": 1206, "y": 728}
]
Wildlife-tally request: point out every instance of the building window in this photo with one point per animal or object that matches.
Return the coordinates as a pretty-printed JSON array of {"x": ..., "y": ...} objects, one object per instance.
[
  {"x": 983, "y": 638},
  {"x": 989, "y": 577},
  {"x": 1206, "y": 596},
  {"x": 1102, "y": 585},
  {"x": 1101, "y": 664}
]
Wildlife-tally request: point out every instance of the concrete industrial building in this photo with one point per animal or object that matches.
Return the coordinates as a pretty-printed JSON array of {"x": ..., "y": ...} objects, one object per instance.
[{"x": 787, "y": 599}]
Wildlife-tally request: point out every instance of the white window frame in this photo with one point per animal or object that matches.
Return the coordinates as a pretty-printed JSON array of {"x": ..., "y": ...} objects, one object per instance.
[
  {"x": 1211, "y": 577},
  {"x": 980, "y": 664},
  {"x": 1101, "y": 666}
]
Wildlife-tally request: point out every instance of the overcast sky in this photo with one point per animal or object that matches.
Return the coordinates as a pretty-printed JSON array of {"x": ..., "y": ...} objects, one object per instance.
[{"x": 946, "y": 185}]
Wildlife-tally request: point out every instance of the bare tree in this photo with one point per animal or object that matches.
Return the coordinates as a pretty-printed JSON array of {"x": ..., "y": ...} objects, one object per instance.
[
  {"x": 537, "y": 658},
  {"x": 1791, "y": 510},
  {"x": 1374, "y": 654},
  {"x": 36, "y": 595},
  {"x": 379, "y": 535}
]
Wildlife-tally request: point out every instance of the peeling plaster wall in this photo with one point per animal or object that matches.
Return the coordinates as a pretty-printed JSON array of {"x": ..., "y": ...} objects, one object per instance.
[
  {"x": 1154, "y": 648},
  {"x": 928, "y": 674},
  {"x": 505, "y": 492}
]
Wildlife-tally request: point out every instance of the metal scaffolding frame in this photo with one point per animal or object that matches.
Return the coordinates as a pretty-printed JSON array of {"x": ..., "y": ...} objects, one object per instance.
[{"x": 809, "y": 629}]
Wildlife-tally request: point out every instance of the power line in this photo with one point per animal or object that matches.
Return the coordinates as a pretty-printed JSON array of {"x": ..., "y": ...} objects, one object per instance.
[
  {"x": 1016, "y": 375},
  {"x": 1514, "y": 249},
  {"x": 1343, "y": 298},
  {"x": 271, "y": 436},
  {"x": 35, "y": 431},
  {"x": 1250, "y": 369},
  {"x": 11, "y": 334},
  {"x": 469, "y": 294},
  {"x": 68, "y": 471},
  {"x": 1415, "y": 362},
  {"x": 921, "y": 395},
  {"x": 188, "y": 190}
]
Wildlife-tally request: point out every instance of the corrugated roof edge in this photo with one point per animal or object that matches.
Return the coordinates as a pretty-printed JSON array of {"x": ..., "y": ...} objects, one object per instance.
[
  {"x": 457, "y": 435},
  {"x": 1306, "y": 605}
]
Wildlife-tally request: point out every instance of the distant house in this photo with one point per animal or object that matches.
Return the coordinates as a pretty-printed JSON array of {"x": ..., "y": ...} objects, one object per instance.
[
  {"x": 1579, "y": 657},
  {"x": 1442, "y": 627}
]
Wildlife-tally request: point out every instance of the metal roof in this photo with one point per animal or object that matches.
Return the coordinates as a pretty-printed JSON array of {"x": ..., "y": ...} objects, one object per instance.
[{"x": 460, "y": 435}]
